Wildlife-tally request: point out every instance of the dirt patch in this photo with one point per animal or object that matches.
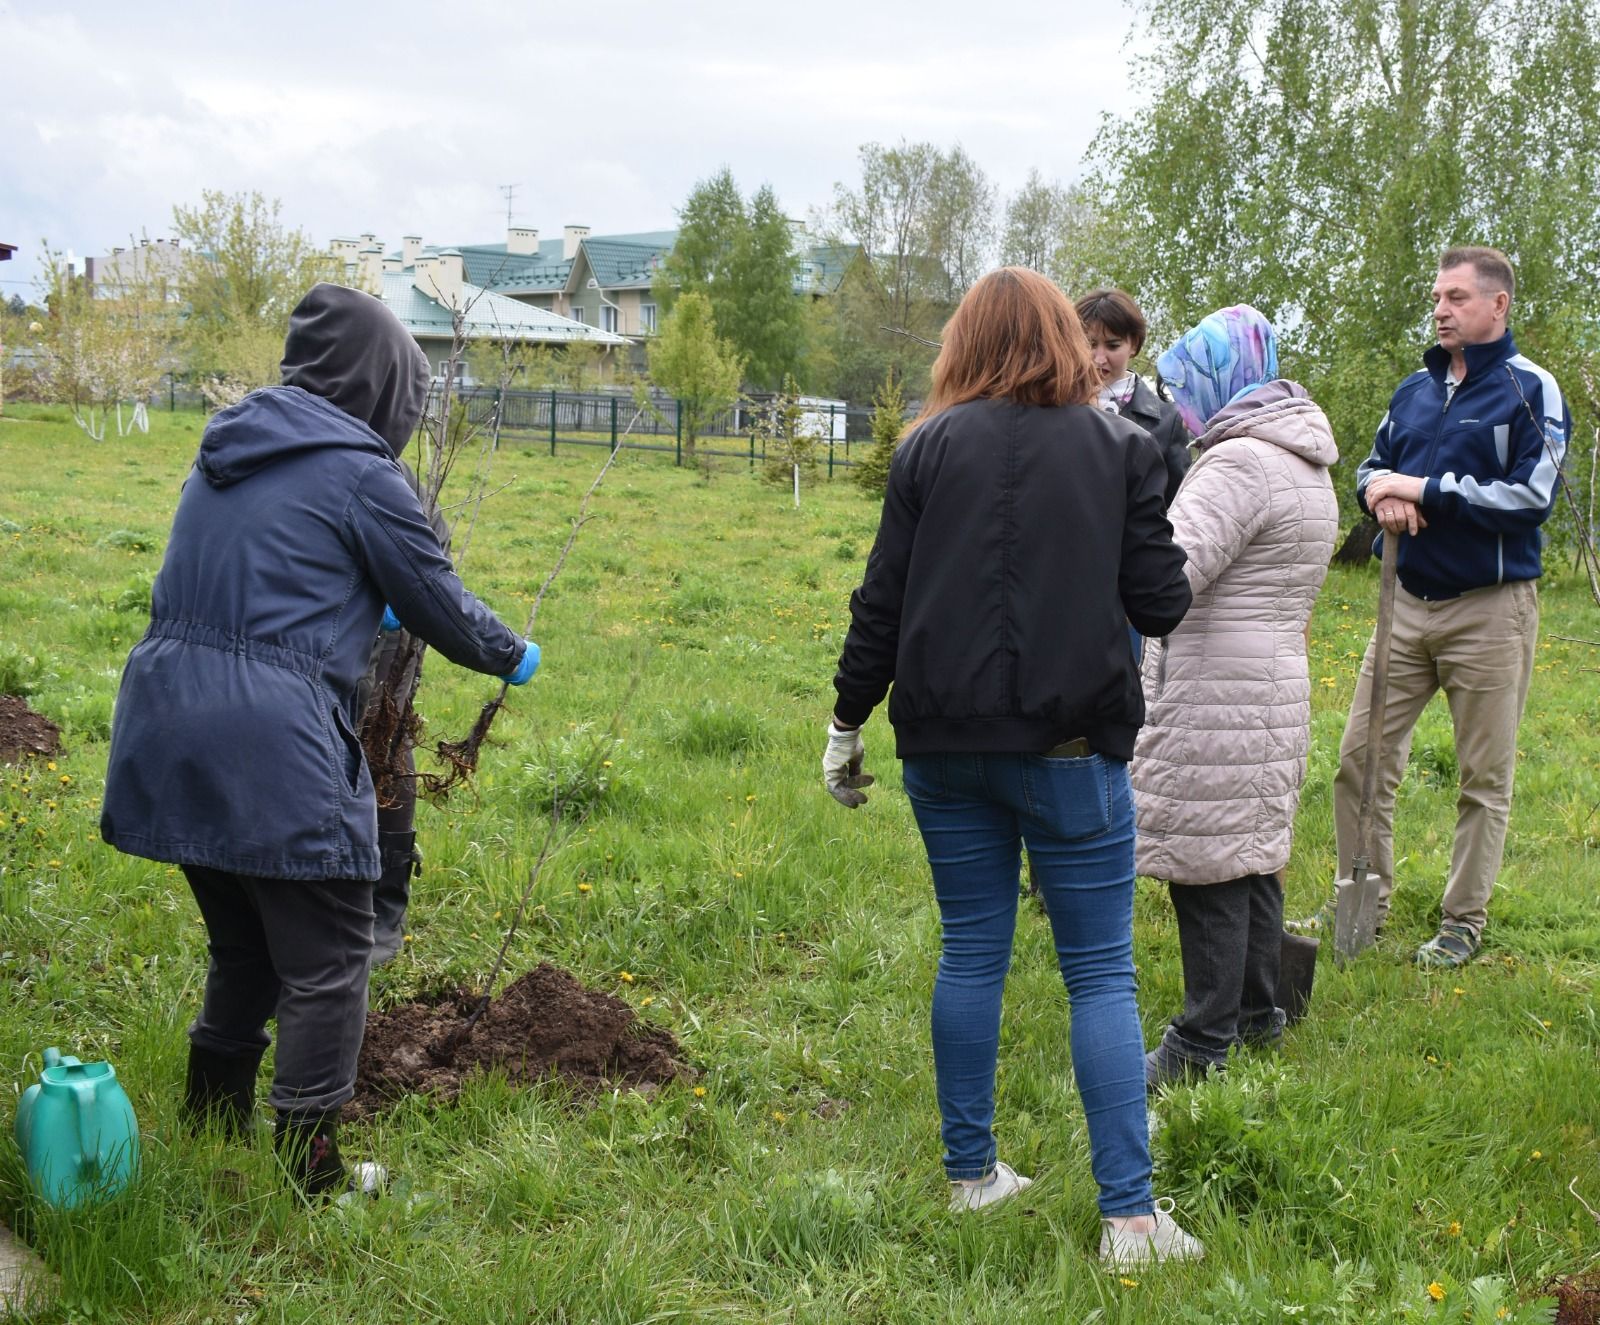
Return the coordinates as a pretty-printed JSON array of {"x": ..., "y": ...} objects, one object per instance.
[
  {"x": 544, "y": 1025},
  {"x": 24, "y": 732},
  {"x": 1579, "y": 1300}
]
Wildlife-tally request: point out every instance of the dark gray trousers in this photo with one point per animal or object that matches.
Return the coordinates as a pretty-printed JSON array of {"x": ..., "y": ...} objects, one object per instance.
[
  {"x": 292, "y": 950},
  {"x": 1231, "y": 934}
]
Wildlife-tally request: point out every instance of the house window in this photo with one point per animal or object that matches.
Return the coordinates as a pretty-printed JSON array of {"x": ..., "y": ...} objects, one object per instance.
[
  {"x": 608, "y": 318},
  {"x": 577, "y": 312},
  {"x": 647, "y": 319}
]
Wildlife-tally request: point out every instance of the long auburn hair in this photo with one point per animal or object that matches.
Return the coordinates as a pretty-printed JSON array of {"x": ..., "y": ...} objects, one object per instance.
[{"x": 1015, "y": 335}]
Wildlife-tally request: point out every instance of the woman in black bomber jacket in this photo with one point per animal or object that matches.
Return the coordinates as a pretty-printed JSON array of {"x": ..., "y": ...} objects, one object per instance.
[{"x": 1022, "y": 529}]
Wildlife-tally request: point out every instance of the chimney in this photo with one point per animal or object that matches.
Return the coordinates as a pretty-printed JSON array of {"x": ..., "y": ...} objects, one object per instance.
[
  {"x": 571, "y": 237},
  {"x": 345, "y": 249},
  {"x": 369, "y": 269},
  {"x": 411, "y": 247},
  {"x": 393, "y": 264},
  {"x": 521, "y": 240},
  {"x": 440, "y": 277}
]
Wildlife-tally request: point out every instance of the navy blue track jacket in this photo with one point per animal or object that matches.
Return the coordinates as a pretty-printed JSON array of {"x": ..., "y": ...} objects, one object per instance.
[{"x": 1491, "y": 454}]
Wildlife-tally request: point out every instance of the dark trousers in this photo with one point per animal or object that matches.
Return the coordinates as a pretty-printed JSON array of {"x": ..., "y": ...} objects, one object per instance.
[
  {"x": 1231, "y": 935},
  {"x": 292, "y": 950}
]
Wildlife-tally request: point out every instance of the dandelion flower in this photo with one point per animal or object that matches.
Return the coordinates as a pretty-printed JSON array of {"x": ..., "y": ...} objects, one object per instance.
[
  {"x": 1458, "y": 990},
  {"x": 1537, "y": 1154},
  {"x": 585, "y": 887},
  {"x": 55, "y": 864},
  {"x": 779, "y": 1116},
  {"x": 1128, "y": 1283},
  {"x": 1436, "y": 1291},
  {"x": 647, "y": 1000},
  {"x": 626, "y": 977},
  {"x": 699, "y": 1092},
  {"x": 51, "y": 765},
  {"x": 1455, "y": 1228}
]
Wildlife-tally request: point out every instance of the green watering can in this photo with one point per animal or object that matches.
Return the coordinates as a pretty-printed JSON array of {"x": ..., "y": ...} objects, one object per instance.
[{"x": 77, "y": 1132}]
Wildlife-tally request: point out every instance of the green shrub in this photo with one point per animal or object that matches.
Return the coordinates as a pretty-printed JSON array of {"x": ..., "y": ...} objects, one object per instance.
[{"x": 21, "y": 673}]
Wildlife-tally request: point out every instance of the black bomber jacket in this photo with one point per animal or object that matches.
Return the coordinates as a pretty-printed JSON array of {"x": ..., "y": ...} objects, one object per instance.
[{"x": 1017, "y": 543}]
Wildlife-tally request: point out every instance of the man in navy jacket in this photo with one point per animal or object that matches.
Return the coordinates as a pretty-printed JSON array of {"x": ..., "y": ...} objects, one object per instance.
[{"x": 1464, "y": 470}]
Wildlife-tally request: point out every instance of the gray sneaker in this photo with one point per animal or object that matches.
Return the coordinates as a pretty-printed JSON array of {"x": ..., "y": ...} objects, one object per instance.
[
  {"x": 1001, "y": 1183},
  {"x": 1121, "y": 1249}
]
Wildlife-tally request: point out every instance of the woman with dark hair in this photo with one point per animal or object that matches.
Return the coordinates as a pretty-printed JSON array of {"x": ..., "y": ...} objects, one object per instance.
[
  {"x": 1015, "y": 708},
  {"x": 1219, "y": 765},
  {"x": 1116, "y": 330}
]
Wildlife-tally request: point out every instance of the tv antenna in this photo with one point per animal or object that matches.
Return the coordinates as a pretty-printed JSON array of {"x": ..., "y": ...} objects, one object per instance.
[{"x": 510, "y": 192}]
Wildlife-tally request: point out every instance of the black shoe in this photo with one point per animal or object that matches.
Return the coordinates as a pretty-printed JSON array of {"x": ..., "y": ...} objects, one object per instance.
[
  {"x": 308, "y": 1148},
  {"x": 1163, "y": 1066},
  {"x": 220, "y": 1089}
]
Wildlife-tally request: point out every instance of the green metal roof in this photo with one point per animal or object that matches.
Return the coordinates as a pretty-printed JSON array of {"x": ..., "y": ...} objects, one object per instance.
[
  {"x": 627, "y": 261},
  {"x": 489, "y": 316}
]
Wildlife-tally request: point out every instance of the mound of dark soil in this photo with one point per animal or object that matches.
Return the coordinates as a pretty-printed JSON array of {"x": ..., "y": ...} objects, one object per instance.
[
  {"x": 544, "y": 1025},
  {"x": 1579, "y": 1299},
  {"x": 24, "y": 732}
]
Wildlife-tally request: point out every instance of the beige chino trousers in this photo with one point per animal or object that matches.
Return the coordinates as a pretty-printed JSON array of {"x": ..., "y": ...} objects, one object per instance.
[{"x": 1478, "y": 649}]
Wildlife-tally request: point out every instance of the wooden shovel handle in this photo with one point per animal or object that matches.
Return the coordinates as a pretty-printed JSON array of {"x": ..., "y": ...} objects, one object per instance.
[{"x": 1379, "y": 697}]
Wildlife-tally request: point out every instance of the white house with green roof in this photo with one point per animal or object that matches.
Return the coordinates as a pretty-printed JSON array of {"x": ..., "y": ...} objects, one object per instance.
[
  {"x": 600, "y": 281},
  {"x": 426, "y": 293}
]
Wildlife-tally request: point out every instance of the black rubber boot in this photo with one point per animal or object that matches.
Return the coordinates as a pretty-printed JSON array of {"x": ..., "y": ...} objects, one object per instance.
[
  {"x": 308, "y": 1148},
  {"x": 220, "y": 1088}
]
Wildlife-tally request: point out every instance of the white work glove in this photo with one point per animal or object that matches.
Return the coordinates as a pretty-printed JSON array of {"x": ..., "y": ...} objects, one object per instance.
[{"x": 841, "y": 767}]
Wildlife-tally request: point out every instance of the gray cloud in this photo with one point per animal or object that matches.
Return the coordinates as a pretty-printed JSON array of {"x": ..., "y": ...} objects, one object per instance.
[{"x": 407, "y": 117}]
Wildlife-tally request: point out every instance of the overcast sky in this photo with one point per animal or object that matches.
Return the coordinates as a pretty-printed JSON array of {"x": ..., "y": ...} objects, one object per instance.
[{"x": 406, "y": 118}]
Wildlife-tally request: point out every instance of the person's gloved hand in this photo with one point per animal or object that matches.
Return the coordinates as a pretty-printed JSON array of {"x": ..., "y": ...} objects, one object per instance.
[
  {"x": 524, "y": 670},
  {"x": 841, "y": 767},
  {"x": 390, "y": 621}
]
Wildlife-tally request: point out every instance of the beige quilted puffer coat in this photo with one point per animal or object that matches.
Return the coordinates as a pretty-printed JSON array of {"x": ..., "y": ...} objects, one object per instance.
[{"x": 1219, "y": 764}]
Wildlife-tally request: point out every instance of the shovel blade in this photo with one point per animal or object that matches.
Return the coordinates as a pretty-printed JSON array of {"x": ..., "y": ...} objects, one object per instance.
[{"x": 1355, "y": 915}]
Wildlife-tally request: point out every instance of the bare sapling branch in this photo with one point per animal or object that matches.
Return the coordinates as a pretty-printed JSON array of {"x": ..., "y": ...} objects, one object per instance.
[{"x": 461, "y": 757}]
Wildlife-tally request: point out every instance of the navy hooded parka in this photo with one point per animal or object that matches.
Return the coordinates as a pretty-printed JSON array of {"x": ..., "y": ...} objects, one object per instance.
[{"x": 233, "y": 743}]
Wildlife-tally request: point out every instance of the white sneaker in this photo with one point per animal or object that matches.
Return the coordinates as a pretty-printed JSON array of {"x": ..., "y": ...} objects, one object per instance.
[
  {"x": 1122, "y": 1249},
  {"x": 1002, "y": 1182}
]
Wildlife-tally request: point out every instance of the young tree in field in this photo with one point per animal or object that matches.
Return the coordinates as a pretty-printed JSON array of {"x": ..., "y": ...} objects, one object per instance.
[
  {"x": 790, "y": 435},
  {"x": 741, "y": 256},
  {"x": 1314, "y": 158},
  {"x": 690, "y": 362},
  {"x": 888, "y": 426},
  {"x": 245, "y": 273},
  {"x": 96, "y": 355}
]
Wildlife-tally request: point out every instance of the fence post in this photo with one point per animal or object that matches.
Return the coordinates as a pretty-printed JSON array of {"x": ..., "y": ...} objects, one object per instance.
[
  {"x": 552, "y": 420},
  {"x": 830, "y": 455},
  {"x": 677, "y": 416},
  {"x": 613, "y": 425},
  {"x": 752, "y": 450},
  {"x": 172, "y": 393}
]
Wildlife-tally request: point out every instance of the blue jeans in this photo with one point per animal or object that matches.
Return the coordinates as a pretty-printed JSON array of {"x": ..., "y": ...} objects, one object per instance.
[{"x": 1075, "y": 816}]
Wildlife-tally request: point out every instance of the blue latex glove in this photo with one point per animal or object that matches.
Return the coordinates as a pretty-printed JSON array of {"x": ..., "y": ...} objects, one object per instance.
[
  {"x": 526, "y": 668},
  {"x": 390, "y": 620}
]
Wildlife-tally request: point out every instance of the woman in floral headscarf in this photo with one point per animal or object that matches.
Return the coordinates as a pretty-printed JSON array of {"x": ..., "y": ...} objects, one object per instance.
[{"x": 1218, "y": 767}]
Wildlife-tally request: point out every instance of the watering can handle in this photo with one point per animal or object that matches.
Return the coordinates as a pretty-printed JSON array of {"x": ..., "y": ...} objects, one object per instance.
[{"x": 88, "y": 1133}]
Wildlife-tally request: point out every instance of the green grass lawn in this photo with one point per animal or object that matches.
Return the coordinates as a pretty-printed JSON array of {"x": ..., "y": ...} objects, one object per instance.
[{"x": 1416, "y": 1130}]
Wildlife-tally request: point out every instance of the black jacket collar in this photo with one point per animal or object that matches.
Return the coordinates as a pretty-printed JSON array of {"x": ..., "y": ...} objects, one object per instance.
[{"x": 1143, "y": 404}]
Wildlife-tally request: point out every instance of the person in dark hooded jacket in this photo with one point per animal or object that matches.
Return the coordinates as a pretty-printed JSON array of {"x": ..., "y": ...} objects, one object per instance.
[{"x": 233, "y": 744}]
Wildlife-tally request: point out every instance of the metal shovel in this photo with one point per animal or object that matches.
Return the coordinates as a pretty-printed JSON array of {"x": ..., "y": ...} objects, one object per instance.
[{"x": 1355, "y": 900}]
